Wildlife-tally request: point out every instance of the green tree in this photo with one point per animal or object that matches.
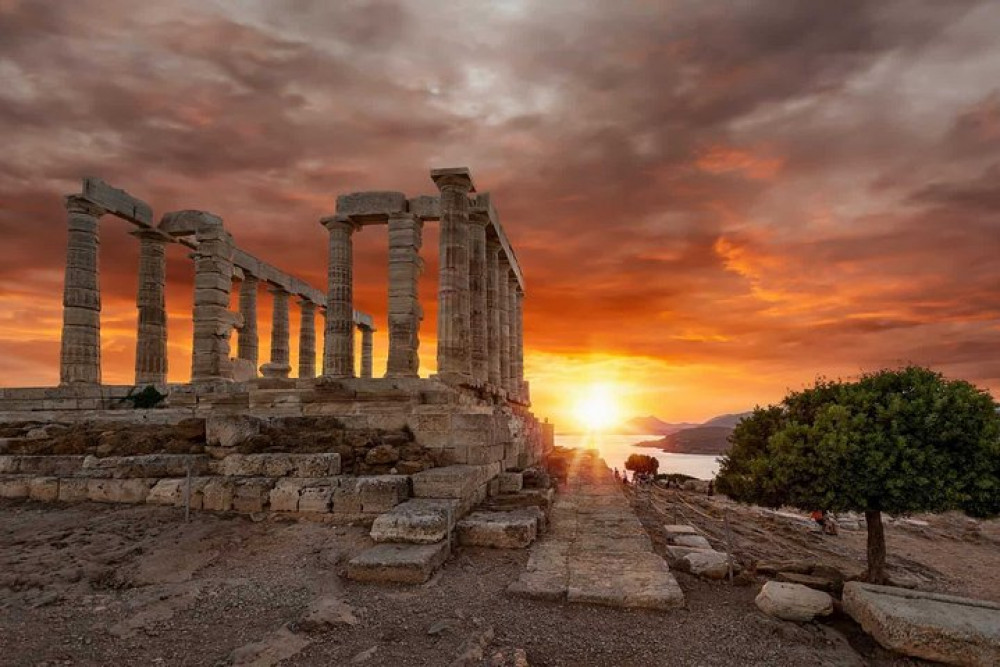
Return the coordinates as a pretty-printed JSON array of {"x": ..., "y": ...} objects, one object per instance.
[
  {"x": 895, "y": 441},
  {"x": 642, "y": 463}
]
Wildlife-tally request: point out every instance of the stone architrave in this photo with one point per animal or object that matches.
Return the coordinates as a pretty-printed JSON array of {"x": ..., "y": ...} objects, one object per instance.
[
  {"x": 453, "y": 352},
  {"x": 493, "y": 312},
  {"x": 278, "y": 366},
  {"x": 478, "y": 321},
  {"x": 151, "y": 338},
  {"x": 503, "y": 305},
  {"x": 213, "y": 321},
  {"x": 366, "y": 351},
  {"x": 80, "y": 354},
  {"x": 405, "y": 313},
  {"x": 247, "y": 340},
  {"x": 338, "y": 350},
  {"x": 307, "y": 339},
  {"x": 513, "y": 380}
]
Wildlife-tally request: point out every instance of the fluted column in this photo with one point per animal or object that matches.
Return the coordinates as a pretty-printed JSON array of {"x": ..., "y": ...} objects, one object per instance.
[
  {"x": 503, "y": 305},
  {"x": 366, "y": 351},
  {"x": 513, "y": 333},
  {"x": 278, "y": 366},
  {"x": 477, "y": 297},
  {"x": 338, "y": 351},
  {"x": 405, "y": 312},
  {"x": 519, "y": 346},
  {"x": 151, "y": 337},
  {"x": 247, "y": 341},
  {"x": 453, "y": 352},
  {"x": 213, "y": 321},
  {"x": 493, "y": 312},
  {"x": 80, "y": 354},
  {"x": 307, "y": 339}
]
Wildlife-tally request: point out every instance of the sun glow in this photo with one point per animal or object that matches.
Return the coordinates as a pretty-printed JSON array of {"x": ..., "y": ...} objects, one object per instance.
[{"x": 597, "y": 409}]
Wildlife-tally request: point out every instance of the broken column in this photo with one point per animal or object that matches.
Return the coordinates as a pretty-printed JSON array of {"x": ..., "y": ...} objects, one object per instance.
[
  {"x": 307, "y": 339},
  {"x": 278, "y": 366},
  {"x": 151, "y": 337},
  {"x": 503, "y": 305},
  {"x": 366, "y": 351},
  {"x": 338, "y": 352},
  {"x": 405, "y": 312},
  {"x": 80, "y": 356},
  {"x": 493, "y": 312},
  {"x": 212, "y": 319},
  {"x": 478, "y": 321},
  {"x": 247, "y": 340},
  {"x": 453, "y": 352}
]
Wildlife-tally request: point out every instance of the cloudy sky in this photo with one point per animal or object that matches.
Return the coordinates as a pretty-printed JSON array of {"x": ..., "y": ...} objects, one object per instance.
[{"x": 712, "y": 201}]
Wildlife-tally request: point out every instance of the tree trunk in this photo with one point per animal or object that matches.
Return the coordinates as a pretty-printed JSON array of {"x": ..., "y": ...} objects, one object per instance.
[{"x": 876, "y": 548}]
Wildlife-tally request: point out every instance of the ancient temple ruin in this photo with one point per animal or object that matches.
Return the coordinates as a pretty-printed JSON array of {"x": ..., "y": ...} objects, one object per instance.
[{"x": 248, "y": 436}]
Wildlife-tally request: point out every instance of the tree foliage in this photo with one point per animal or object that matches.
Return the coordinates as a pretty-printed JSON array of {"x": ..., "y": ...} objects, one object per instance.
[
  {"x": 895, "y": 441},
  {"x": 642, "y": 463}
]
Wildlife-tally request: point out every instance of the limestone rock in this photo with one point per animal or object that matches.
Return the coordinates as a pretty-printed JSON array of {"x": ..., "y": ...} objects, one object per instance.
[
  {"x": 382, "y": 455},
  {"x": 326, "y": 614},
  {"x": 694, "y": 541},
  {"x": 45, "y": 489},
  {"x": 402, "y": 563},
  {"x": 943, "y": 628},
  {"x": 230, "y": 430},
  {"x": 793, "y": 602},
  {"x": 417, "y": 521},
  {"x": 707, "y": 564},
  {"x": 500, "y": 530}
]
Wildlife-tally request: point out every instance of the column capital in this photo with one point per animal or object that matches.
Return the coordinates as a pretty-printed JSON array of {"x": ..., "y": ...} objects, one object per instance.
[
  {"x": 406, "y": 215},
  {"x": 79, "y": 204},
  {"x": 341, "y": 222},
  {"x": 306, "y": 304},
  {"x": 453, "y": 178},
  {"x": 480, "y": 218},
  {"x": 150, "y": 234},
  {"x": 277, "y": 290}
]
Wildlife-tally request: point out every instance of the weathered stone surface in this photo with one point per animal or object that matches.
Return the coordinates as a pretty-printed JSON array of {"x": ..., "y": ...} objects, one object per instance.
[
  {"x": 943, "y": 628},
  {"x": 14, "y": 487},
  {"x": 251, "y": 494},
  {"x": 73, "y": 490},
  {"x": 675, "y": 530},
  {"x": 149, "y": 465},
  {"x": 166, "y": 492},
  {"x": 675, "y": 553},
  {"x": 459, "y": 481},
  {"x": 707, "y": 564},
  {"x": 694, "y": 541},
  {"x": 793, "y": 602},
  {"x": 499, "y": 530},
  {"x": 230, "y": 430},
  {"x": 284, "y": 497},
  {"x": 381, "y": 493},
  {"x": 41, "y": 465},
  {"x": 218, "y": 495},
  {"x": 372, "y": 206},
  {"x": 417, "y": 521},
  {"x": 316, "y": 498},
  {"x": 510, "y": 482},
  {"x": 45, "y": 489},
  {"x": 132, "y": 490},
  {"x": 402, "y": 563},
  {"x": 382, "y": 455},
  {"x": 819, "y": 583}
]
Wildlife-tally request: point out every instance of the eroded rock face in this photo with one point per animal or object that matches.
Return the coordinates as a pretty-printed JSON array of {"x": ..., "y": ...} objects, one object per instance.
[
  {"x": 793, "y": 602},
  {"x": 707, "y": 564},
  {"x": 943, "y": 628}
]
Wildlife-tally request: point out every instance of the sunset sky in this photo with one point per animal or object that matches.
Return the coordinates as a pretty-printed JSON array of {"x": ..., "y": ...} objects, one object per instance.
[{"x": 712, "y": 202}]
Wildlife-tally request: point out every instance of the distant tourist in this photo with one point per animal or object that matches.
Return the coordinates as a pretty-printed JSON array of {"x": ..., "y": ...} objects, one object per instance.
[{"x": 826, "y": 522}]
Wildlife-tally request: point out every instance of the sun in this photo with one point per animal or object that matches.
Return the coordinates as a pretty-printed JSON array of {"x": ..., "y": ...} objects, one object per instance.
[{"x": 597, "y": 408}]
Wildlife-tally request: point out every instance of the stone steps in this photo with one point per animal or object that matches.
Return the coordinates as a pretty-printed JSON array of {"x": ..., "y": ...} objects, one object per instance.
[{"x": 399, "y": 563}]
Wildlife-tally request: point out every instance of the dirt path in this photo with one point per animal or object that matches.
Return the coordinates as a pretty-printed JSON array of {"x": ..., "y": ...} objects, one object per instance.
[{"x": 94, "y": 584}]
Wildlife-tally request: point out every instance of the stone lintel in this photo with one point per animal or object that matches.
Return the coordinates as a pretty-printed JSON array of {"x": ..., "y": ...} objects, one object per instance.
[
  {"x": 372, "y": 207},
  {"x": 453, "y": 175},
  {"x": 117, "y": 202},
  {"x": 188, "y": 222},
  {"x": 425, "y": 207}
]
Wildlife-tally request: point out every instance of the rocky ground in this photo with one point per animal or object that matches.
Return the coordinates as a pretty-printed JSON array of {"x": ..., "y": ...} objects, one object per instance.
[{"x": 93, "y": 584}]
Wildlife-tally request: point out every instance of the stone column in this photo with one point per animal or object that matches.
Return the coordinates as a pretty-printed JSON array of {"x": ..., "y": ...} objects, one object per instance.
[
  {"x": 519, "y": 345},
  {"x": 80, "y": 355},
  {"x": 307, "y": 339},
  {"x": 405, "y": 313},
  {"x": 366, "y": 351},
  {"x": 513, "y": 333},
  {"x": 503, "y": 305},
  {"x": 479, "y": 321},
  {"x": 493, "y": 312},
  {"x": 151, "y": 337},
  {"x": 212, "y": 319},
  {"x": 453, "y": 352},
  {"x": 247, "y": 340},
  {"x": 338, "y": 350},
  {"x": 278, "y": 366}
]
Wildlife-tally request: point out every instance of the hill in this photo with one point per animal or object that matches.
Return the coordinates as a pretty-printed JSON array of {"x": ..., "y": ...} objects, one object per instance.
[
  {"x": 652, "y": 426},
  {"x": 728, "y": 421},
  {"x": 709, "y": 440}
]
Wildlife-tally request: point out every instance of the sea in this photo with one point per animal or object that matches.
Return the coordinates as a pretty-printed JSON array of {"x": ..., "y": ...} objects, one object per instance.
[{"x": 615, "y": 449}]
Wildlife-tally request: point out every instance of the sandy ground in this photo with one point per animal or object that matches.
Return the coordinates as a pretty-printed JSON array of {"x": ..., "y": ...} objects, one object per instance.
[{"x": 94, "y": 584}]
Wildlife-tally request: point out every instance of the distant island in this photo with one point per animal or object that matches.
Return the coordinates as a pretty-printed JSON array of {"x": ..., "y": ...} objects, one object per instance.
[{"x": 709, "y": 438}]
